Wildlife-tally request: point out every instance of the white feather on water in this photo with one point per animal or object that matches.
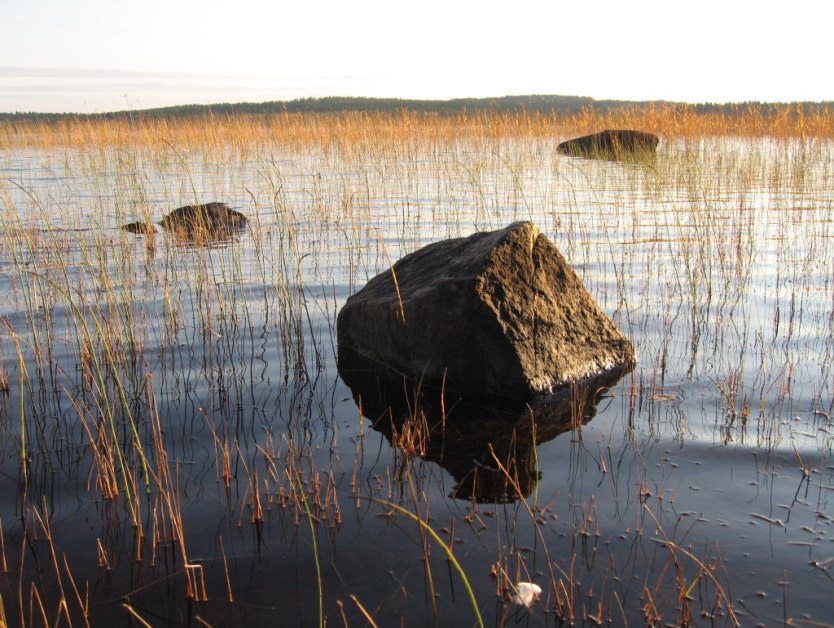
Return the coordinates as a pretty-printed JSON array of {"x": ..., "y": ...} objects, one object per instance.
[{"x": 527, "y": 594}]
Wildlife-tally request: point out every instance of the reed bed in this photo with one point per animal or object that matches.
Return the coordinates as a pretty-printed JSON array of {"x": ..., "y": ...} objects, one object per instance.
[
  {"x": 177, "y": 446},
  {"x": 369, "y": 130}
]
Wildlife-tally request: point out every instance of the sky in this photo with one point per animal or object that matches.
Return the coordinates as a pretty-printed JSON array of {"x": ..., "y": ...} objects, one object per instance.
[{"x": 93, "y": 56}]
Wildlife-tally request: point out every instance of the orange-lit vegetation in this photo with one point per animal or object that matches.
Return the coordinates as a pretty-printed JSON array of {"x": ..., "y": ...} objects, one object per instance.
[{"x": 375, "y": 130}]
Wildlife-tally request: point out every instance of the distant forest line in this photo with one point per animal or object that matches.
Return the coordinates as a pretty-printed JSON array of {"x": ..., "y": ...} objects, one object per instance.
[{"x": 335, "y": 104}]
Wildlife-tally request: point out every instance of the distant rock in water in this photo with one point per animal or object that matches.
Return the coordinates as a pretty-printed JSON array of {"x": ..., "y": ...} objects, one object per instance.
[
  {"x": 141, "y": 227},
  {"x": 496, "y": 313},
  {"x": 613, "y": 144},
  {"x": 207, "y": 218},
  {"x": 196, "y": 222}
]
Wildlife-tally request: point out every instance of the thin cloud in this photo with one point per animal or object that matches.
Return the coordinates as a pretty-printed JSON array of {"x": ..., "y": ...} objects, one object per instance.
[{"x": 87, "y": 90}]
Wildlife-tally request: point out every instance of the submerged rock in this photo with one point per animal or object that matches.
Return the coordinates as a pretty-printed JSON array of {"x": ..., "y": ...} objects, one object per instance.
[
  {"x": 141, "y": 227},
  {"x": 209, "y": 220},
  {"x": 613, "y": 144},
  {"x": 498, "y": 313}
]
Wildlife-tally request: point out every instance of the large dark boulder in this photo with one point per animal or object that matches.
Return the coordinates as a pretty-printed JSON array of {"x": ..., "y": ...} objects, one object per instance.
[
  {"x": 613, "y": 144},
  {"x": 498, "y": 313},
  {"x": 196, "y": 222}
]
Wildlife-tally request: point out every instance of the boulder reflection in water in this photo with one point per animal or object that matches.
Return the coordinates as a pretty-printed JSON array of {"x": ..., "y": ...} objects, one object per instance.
[{"x": 486, "y": 444}]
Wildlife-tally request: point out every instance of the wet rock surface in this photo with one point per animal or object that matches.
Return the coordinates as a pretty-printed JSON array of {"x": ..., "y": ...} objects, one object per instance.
[{"x": 496, "y": 313}]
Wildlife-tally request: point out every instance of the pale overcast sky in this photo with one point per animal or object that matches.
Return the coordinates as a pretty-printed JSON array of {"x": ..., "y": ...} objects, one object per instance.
[{"x": 103, "y": 55}]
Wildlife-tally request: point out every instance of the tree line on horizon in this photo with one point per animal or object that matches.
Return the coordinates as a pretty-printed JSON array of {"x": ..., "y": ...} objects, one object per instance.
[{"x": 334, "y": 104}]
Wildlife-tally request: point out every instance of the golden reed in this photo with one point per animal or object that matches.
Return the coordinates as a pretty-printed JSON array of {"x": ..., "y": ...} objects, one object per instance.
[{"x": 369, "y": 130}]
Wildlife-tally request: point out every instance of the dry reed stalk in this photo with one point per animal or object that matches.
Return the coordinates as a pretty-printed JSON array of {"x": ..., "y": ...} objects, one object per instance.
[
  {"x": 83, "y": 604},
  {"x": 231, "y": 597},
  {"x": 103, "y": 561},
  {"x": 46, "y": 568},
  {"x": 538, "y": 529},
  {"x": 362, "y": 609},
  {"x": 36, "y": 604},
  {"x": 135, "y": 615},
  {"x": 256, "y": 511},
  {"x": 3, "y": 565},
  {"x": 194, "y": 582}
]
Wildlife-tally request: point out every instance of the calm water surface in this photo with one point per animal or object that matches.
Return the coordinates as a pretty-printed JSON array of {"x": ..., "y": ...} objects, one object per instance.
[{"x": 708, "y": 468}]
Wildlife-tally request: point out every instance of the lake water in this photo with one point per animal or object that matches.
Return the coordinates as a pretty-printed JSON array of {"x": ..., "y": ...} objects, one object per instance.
[{"x": 176, "y": 441}]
